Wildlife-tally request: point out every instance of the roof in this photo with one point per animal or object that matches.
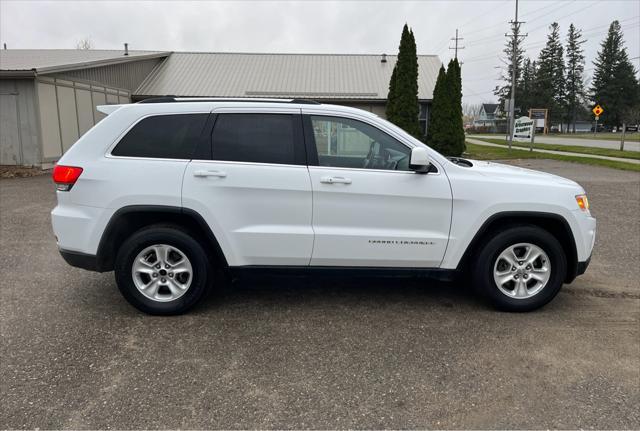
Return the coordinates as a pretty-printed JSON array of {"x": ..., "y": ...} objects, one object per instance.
[
  {"x": 490, "y": 108},
  {"x": 57, "y": 60},
  {"x": 317, "y": 76}
]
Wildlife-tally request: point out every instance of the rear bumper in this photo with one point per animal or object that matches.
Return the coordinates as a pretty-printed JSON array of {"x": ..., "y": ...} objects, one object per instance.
[{"x": 89, "y": 262}]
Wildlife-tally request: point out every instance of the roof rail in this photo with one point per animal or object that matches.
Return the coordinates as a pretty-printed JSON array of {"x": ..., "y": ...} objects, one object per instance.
[
  {"x": 305, "y": 102},
  {"x": 174, "y": 99}
]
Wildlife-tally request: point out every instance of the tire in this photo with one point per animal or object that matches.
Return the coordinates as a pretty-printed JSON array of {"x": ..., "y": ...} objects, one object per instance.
[
  {"x": 168, "y": 293},
  {"x": 528, "y": 286}
]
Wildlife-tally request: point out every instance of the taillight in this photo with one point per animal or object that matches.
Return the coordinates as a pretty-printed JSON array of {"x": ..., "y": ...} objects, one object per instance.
[{"x": 65, "y": 176}]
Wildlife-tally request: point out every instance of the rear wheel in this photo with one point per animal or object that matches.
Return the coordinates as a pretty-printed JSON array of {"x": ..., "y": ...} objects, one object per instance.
[
  {"x": 162, "y": 270},
  {"x": 520, "y": 269}
]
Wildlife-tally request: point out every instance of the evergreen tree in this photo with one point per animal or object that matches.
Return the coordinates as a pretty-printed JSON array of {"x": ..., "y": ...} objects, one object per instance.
[
  {"x": 549, "y": 82},
  {"x": 504, "y": 91},
  {"x": 614, "y": 85},
  {"x": 454, "y": 78},
  {"x": 438, "y": 121},
  {"x": 446, "y": 133},
  {"x": 525, "y": 89},
  {"x": 393, "y": 96},
  {"x": 575, "y": 79},
  {"x": 402, "y": 106}
]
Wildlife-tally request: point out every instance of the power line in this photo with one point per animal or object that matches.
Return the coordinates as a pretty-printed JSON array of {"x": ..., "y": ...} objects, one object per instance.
[
  {"x": 497, "y": 37},
  {"x": 543, "y": 42},
  {"x": 443, "y": 43},
  {"x": 482, "y": 41},
  {"x": 564, "y": 16},
  {"x": 490, "y": 26}
]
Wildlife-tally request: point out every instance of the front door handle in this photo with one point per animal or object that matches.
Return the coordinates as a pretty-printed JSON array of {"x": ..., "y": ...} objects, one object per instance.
[
  {"x": 335, "y": 180},
  {"x": 203, "y": 173}
]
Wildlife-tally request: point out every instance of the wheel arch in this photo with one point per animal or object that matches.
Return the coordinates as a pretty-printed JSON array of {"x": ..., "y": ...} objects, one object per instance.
[
  {"x": 129, "y": 219},
  {"x": 555, "y": 224}
]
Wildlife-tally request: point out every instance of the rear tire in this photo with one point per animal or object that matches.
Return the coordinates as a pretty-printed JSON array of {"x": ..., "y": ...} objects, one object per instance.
[
  {"x": 162, "y": 270},
  {"x": 506, "y": 274}
]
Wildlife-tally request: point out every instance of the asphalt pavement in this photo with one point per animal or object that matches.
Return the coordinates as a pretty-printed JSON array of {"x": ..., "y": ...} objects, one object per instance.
[{"x": 300, "y": 353}]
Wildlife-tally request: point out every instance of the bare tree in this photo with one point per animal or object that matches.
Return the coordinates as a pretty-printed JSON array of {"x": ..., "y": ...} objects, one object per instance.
[
  {"x": 84, "y": 43},
  {"x": 471, "y": 109}
]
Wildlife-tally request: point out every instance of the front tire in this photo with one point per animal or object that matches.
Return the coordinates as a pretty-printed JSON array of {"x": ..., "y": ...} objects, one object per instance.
[
  {"x": 162, "y": 270},
  {"x": 520, "y": 269}
]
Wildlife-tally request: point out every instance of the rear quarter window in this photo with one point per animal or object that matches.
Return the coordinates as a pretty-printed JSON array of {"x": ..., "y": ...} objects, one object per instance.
[{"x": 163, "y": 137}]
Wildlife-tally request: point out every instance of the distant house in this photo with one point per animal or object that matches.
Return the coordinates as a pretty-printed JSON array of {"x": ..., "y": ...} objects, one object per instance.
[{"x": 487, "y": 115}]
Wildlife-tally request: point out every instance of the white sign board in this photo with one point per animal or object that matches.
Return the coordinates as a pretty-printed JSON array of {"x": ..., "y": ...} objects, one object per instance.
[{"x": 523, "y": 129}]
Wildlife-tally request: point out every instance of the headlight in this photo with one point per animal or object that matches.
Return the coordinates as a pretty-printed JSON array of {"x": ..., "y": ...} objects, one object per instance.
[{"x": 583, "y": 202}]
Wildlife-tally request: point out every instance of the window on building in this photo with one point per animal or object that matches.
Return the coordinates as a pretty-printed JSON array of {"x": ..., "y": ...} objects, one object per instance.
[
  {"x": 347, "y": 143},
  {"x": 260, "y": 138},
  {"x": 424, "y": 115},
  {"x": 163, "y": 137}
]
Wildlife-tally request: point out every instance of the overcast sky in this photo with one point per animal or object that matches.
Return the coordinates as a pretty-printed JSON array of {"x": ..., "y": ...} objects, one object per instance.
[{"x": 318, "y": 27}]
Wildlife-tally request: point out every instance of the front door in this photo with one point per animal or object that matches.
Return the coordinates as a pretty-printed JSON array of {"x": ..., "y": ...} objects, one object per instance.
[{"x": 369, "y": 208}]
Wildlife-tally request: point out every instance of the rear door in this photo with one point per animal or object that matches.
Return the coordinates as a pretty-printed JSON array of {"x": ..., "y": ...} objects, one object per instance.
[{"x": 252, "y": 186}]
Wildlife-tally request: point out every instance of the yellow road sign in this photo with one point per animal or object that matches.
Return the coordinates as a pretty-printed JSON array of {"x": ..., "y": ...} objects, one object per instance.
[{"x": 597, "y": 110}]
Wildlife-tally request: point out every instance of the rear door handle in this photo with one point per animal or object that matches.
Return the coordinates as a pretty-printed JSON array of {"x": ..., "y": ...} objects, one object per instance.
[
  {"x": 335, "y": 180},
  {"x": 203, "y": 173}
]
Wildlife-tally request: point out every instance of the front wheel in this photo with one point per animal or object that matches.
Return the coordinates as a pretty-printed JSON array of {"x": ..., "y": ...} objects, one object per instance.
[
  {"x": 520, "y": 269},
  {"x": 162, "y": 270}
]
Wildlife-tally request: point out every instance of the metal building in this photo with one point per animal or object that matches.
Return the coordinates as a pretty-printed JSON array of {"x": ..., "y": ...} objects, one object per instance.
[{"x": 48, "y": 97}]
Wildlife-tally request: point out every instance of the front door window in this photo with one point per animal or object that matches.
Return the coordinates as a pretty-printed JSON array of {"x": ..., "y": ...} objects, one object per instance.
[{"x": 348, "y": 143}]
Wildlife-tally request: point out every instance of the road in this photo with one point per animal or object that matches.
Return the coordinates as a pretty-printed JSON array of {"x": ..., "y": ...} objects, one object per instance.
[
  {"x": 300, "y": 353},
  {"x": 596, "y": 143},
  {"x": 522, "y": 146}
]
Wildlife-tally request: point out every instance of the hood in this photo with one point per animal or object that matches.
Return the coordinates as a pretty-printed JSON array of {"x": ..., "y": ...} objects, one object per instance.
[{"x": 518, "y": 174}]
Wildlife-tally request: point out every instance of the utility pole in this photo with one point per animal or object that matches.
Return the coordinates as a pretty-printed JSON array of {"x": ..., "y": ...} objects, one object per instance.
[
  {"x": 515, "y": 25},
  {"x": 456, "y": 48}
]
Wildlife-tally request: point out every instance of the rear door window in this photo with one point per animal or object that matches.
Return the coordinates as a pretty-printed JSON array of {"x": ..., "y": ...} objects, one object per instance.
[
  {"x": 258, "y": 138},
  {"x": 163, "y": 137}
]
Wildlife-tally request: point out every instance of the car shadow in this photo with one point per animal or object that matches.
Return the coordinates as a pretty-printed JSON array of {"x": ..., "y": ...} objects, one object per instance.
[{"x": 338, "y": 291}]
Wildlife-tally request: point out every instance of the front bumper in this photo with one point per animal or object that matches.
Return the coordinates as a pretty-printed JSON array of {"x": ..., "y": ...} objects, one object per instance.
[{"x": 582, "y": 266}]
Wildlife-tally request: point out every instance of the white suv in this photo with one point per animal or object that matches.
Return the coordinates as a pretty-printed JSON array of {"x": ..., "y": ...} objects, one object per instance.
[{"x": 167, "y": 190}]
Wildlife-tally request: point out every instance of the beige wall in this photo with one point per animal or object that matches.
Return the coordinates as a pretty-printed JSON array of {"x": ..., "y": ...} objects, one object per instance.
[
  {"x": 377, "y": 108},
  {"x": 68, "y": 109}
]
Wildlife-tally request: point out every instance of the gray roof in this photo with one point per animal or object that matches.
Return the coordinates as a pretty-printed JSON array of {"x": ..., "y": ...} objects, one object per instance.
[
  {"x": 57, "y": 60},
  {"x": 318, "y": 76},
  {"x": 490, "y": 108}
]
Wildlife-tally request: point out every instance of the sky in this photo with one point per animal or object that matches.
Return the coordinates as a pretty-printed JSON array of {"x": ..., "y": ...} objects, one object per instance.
[{"x": 370, "y": 27}]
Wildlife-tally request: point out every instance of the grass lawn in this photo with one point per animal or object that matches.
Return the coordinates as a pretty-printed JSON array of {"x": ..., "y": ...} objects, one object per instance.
[
  {"x": 571, "y": 149},
  {"x": 481, "y": 152}
]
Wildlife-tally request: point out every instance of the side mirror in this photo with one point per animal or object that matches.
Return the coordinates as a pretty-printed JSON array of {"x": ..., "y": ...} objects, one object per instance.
[{"x": 419, "y": 160}]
